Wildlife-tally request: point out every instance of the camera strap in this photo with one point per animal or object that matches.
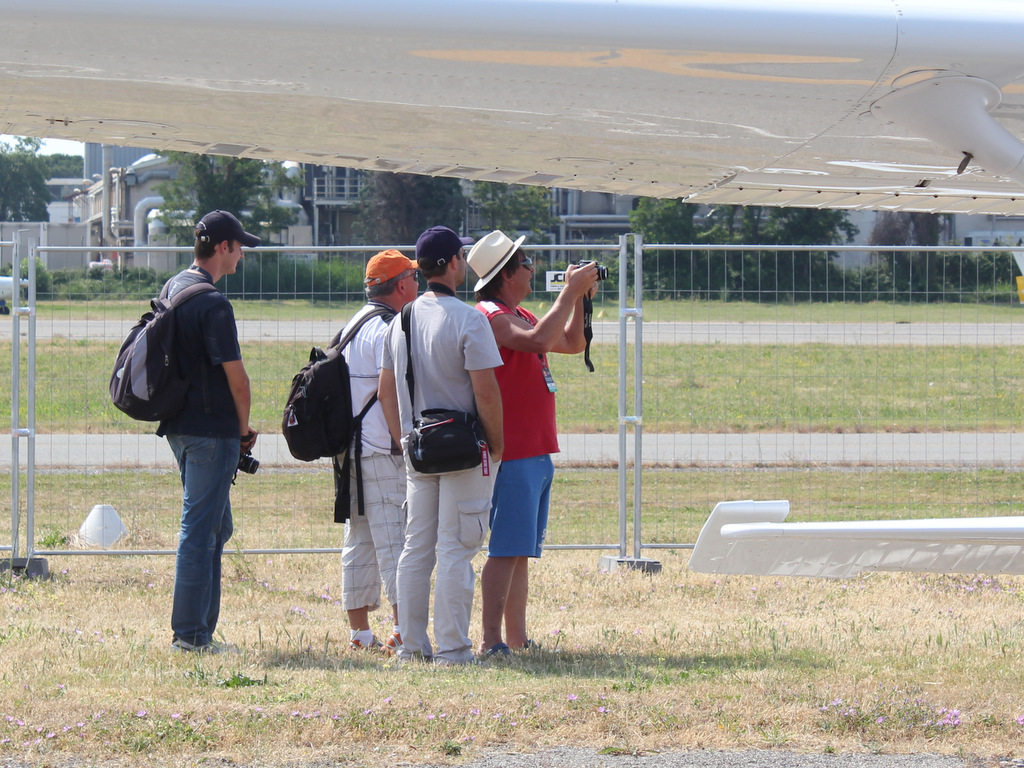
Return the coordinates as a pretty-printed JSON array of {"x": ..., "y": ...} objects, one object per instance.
[{"x": 588, "y": 330}]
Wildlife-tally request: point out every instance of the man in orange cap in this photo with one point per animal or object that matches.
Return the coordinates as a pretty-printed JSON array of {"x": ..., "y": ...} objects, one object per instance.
[{"x": 373, "y": 540}]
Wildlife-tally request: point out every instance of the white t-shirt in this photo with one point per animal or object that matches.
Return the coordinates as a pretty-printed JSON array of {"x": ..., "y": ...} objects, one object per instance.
[
  {"x": 363, "y": 355},
  {"x": 449, "y": 338}
]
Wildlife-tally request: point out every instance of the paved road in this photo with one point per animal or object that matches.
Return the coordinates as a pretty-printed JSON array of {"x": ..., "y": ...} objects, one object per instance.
[
  {"x": 866, "y": 334},
  {"x": 96, "y": 452}
]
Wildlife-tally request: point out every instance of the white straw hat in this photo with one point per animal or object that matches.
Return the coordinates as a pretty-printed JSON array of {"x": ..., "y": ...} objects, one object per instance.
[{"x": 490, "y": 254}]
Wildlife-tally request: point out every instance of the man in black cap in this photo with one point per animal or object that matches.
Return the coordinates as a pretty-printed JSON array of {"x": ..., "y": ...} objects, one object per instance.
[
  {"x": 453, "y": 360},
  {"x": 211, "y": 433}
]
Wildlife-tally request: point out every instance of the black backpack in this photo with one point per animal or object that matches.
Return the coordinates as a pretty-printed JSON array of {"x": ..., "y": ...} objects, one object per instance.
[
  {"x": 318, "y": 422},
  {"x": 147, "y": 383}
]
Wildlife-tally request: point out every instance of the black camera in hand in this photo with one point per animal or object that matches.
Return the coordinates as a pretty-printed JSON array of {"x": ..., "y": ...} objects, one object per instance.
[
  {"x": 602, "y": 270},
  {"x": 248, "y": 463}
]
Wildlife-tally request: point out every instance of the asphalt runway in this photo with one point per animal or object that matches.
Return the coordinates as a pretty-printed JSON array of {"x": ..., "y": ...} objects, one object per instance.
[
  {"x": 847, "y": 334},
  {"x": 939, "y": 450},
  {"x": 583, "y": 757}
]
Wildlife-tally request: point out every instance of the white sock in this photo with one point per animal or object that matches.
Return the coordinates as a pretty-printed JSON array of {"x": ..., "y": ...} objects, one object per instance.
[{"x": 364, "y": 636}]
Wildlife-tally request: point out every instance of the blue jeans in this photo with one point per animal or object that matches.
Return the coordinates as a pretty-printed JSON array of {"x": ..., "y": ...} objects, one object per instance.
[{"x": 207, "y": 466}]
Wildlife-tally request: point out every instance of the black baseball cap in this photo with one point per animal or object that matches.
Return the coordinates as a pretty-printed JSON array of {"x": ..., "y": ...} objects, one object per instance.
[
  {"x": 218, "y": 226},
  {"x": 437, "y": 245}
]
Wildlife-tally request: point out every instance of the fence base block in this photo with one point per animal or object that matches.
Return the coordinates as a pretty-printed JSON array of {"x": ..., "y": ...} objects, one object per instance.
[
  {"x": 32, "y": 567},
  {"x": 614, "y": 562}
]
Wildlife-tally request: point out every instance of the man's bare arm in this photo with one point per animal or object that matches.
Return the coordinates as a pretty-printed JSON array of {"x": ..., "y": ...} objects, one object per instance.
[
  {"x": 488, "y": 408},
  {"x": 387, "y": 393},
  {"x": 561, "y": 328}
]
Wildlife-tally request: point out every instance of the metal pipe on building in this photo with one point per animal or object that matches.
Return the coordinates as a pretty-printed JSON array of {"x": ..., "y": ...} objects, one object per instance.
[
  {"x": 139, "y": 229},
  {"x": 108, "y": 161}
]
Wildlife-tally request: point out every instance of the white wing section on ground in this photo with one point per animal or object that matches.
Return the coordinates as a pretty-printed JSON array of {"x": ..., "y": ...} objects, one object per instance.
[{"x": 750, "y": 537}]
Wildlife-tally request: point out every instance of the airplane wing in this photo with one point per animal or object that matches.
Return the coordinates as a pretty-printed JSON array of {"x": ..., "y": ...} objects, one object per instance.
[
  {"x": 896, "y": 104},
  {"x": 750, "y": 537}
]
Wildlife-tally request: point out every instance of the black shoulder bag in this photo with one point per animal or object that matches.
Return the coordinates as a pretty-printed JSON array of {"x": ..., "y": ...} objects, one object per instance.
[{"x": 441, "y": 440}]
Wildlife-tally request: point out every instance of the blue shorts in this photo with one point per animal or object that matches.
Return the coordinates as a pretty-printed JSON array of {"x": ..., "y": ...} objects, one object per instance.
[{"x": 519, "y": 507}]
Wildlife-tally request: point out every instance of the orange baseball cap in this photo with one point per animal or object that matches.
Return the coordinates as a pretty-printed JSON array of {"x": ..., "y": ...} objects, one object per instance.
[{"x": 386, "y": 265}]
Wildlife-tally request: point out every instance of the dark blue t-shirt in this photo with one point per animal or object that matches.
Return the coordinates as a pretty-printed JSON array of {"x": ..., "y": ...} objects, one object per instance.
[{"x": 205, "y": 333}]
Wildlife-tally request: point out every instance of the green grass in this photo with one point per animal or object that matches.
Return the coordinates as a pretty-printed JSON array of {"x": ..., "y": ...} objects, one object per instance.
[
  {"x": 629, "y": 664},
  {"x": 687, "y": 388},
  {"x": 291, "y": 509}
]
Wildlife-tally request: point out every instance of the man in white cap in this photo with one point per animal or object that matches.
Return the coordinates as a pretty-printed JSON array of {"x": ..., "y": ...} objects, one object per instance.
[
  {"x": 453, "y": 360},
  {"x": 519, "y": 511},
  {"x": 374, "y": 539}
]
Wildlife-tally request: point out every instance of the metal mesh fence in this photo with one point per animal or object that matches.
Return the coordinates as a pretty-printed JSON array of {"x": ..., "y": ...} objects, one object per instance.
[{"x": 885, "y": 391}]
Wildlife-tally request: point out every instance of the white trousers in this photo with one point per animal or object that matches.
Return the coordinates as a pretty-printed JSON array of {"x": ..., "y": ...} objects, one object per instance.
[
  {"x": 374, "y": 541},
  {"x": 447, "y": 524}
]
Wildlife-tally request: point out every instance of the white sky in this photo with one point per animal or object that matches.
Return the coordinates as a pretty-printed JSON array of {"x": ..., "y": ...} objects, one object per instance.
[{"x": 53, "y": 146}]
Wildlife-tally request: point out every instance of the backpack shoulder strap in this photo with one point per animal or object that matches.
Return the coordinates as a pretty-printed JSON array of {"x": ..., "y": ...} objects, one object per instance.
[
  {"x": 341, "y": 341},
  {"x": 407, "y": 330},
  {"x": 186, "y": 293},
  {"x": 176, "y": 301}
]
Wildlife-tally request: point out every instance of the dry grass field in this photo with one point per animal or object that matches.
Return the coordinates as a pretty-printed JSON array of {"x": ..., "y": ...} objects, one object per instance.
[{"x": 627, "y": 661}]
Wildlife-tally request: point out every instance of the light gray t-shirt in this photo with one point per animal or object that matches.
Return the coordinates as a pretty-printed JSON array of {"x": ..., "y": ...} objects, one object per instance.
[{"x": 449, "y": 338}]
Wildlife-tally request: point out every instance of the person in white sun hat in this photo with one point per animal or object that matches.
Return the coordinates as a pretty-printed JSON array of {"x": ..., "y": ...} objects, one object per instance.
[{"x": 519, "y": 505}]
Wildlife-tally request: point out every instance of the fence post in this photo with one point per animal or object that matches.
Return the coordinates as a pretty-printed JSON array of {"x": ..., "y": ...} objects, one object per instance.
[
  {"x": 15, "y": 349},
  {"x": 610, "y": 562},
  {"x": 32, "y": 567}
]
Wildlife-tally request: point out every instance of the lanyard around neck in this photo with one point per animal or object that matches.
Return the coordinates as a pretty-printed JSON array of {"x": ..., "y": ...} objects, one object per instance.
[{"x": 440, "y": 288}]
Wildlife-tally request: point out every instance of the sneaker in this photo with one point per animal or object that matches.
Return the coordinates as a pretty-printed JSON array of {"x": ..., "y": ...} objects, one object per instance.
[
  {"x": 373, "y": 645},
  {"x": 444, "y": 661},
  {"x": 391, "y": 645},
  {"x": 184, "y": 646},
  {"x": 416, "y": 657},
  {"x": 213, "y": 647},
  {"x": 498, "y": 649}
]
